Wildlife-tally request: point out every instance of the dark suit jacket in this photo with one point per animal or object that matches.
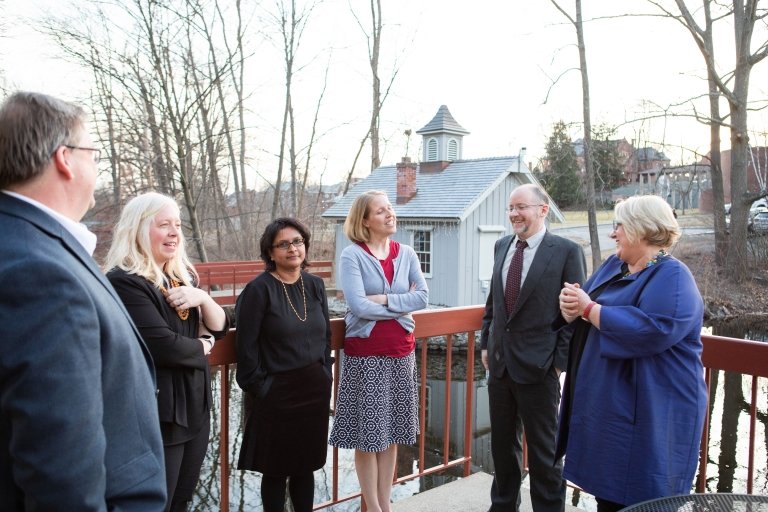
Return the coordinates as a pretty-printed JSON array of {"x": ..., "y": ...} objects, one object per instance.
[
  {"x": 78, "y": 415},
  {"x": 524, "y": 343}
]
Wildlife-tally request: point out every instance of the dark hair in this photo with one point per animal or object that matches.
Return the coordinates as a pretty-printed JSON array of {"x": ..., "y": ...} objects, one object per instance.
[
  {"x": 32, "y": 126},
  {"x": 268, "y": 240}
]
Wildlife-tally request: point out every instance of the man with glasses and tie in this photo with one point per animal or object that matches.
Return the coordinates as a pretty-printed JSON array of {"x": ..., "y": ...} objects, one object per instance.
[
  {"x": 522, "y": 353},
  {"x": 79, "y": 428}
]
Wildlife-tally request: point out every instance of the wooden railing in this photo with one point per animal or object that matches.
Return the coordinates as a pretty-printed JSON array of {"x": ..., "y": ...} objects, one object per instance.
[
  {"x": 443, "y": 322},
  {"x": 738, "y": 356},
  {"x": 224, "y": 280},
  {"x": 720, "y": 353}
]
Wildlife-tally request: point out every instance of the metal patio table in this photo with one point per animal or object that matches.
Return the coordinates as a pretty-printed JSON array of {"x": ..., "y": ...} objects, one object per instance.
[{"x": 705, "y": 502}]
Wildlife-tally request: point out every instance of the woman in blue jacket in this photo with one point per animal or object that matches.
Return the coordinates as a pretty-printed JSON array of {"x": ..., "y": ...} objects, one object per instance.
[{"x": 634, "y": 399}]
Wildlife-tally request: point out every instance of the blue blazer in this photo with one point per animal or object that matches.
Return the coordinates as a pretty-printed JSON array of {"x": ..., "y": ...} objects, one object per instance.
[
  {"x": 78, "y": 412},
  {"x": 524, "y": 342},
  {"x": 639, "y": 396}
]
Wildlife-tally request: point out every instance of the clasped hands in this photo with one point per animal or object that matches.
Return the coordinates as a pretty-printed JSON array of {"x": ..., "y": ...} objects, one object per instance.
[
  {"x": 185, "y": 297},
  {"x": 573, "y": 301}
]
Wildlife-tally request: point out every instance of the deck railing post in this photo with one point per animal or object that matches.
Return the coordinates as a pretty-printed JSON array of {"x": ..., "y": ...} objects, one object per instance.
[
  {"x": 447, "y": 406},
  {"x": 224, "y": 439},
  {"x": 469, "y": 407},
  {"x": 752, "y": 434},
  {"x": 701, "y": 482}
]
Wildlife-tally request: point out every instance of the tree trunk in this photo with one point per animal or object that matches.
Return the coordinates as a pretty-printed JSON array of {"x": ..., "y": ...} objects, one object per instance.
[
  {"x": 376, "y": 90},
  {"x": 588, "y": 161}
]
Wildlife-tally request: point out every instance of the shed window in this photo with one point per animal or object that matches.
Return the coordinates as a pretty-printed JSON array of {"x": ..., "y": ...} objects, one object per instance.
[
  {"x": 422, "y": 244},
  {"x": 432, "y": 150}
]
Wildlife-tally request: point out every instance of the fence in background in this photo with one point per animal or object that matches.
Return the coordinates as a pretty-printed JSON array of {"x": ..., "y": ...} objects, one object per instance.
[{"x": 224, "y": 280}]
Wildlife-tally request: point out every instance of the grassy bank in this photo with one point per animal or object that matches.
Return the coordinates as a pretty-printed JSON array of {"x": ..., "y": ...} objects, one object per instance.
[{"x": 691, "y": 218}]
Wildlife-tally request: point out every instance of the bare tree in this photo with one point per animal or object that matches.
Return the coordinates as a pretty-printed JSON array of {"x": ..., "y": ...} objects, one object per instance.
[
  {"x": 735, "y": 89},
  {"x": 237, "y": 152},
  {"x": 374, "y": 49},
  {"x": 373, "y": 39},
  {"x": 164, "y": 104},
  {"x": 308, "y": 159},
  {"x": 291, "y": 25},
  {"x": 588, "y": 160}
]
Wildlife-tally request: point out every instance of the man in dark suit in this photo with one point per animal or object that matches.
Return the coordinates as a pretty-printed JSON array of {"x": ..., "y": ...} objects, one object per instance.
[
  {"x": 78, "y": 415},
  {"x": 523, "y": 354}
]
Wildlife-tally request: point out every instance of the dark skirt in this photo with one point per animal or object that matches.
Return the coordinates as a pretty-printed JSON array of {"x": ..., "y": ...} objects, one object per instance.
[{"x": 286, "y": 432}]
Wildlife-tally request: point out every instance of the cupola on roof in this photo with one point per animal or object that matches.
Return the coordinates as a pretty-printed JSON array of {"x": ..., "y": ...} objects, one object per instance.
[{"x": 443, "y": 122}]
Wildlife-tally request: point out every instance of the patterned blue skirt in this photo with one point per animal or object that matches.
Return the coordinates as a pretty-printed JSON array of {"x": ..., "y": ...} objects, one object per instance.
[{"x": 377, "y": 404}]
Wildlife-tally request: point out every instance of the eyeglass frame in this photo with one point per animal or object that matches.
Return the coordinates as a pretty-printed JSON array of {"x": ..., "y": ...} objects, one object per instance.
[
  {"x": 616, "y": 225},
  {"x": 285, "y": 245},
  {"x": 96, "y": 151},
  {"x": 520, "y": 207}
]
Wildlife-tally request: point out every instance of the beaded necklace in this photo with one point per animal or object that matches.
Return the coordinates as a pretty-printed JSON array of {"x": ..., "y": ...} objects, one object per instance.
[
  {"x": 182, "y": 312},
  {"x": 659, "y": 255},
  {"x": 303, "y": 295}
]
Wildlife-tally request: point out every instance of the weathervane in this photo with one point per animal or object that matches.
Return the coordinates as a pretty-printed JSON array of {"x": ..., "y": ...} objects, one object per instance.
[{"x": 407, "y": 140}]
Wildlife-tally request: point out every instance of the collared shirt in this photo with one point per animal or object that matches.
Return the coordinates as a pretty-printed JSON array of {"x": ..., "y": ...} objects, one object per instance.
[
  {"x": 530, "y": 252},
  {"x": 77, "y": 229}
]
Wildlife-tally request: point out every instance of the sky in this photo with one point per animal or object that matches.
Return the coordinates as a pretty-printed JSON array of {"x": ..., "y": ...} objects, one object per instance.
[{"x": 492, "y": 62}]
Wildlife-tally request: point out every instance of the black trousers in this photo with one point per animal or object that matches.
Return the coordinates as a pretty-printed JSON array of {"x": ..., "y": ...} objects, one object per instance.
[
  {"x": 608, "y": 506},
  {"x": 532, "y": 407},
  {"x": 301, "y": 487},
  {"x": 182, "y": 469}
]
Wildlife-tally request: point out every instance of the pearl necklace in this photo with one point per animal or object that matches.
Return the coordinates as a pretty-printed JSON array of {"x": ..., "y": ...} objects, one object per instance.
[
  {"x": 659, "y": 255},
  {"x": 182, "y": 312},
  {"x": 303, "y": 295}
]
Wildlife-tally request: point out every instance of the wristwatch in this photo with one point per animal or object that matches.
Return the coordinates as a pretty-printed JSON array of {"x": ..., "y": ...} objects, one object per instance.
[{"x": 209, "y": 338}]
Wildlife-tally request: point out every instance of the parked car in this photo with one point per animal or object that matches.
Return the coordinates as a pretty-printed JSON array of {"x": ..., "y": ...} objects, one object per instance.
[
  {"x": 759, "y": 221},
  {"x": 758, "y": 208}
]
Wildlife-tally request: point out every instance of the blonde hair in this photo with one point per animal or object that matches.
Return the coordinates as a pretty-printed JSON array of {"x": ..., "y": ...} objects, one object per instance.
[
  {"x": 648, "y": 218},
  {"x": 131, "y": 249},
  {"x": 358, "y": 212}
]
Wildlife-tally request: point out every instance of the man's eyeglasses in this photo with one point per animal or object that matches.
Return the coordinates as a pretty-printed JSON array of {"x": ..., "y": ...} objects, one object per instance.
[
  {"x": 297, "y": 242},
  {"x": 96, "y": 152},
  {"x": 616, "y": 225},
  {"x": 520, "y": 207}
]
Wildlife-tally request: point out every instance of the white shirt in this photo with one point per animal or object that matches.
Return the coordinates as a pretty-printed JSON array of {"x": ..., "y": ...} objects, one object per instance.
[
  {"x": 528, "y": 254},
  {"x": 77, "y": 229}
]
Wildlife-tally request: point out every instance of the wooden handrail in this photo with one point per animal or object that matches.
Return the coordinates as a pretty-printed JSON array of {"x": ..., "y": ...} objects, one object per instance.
[
  {"x": 224, "y": 280},
  {"x": 720, "y": 353}
]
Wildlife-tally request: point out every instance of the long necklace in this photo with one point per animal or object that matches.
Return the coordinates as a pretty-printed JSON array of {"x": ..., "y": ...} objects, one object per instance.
[
  {"x": 659, "y": 255},
  {"x": 303, "y": 295},
  {"x": 182, "y": 312}
]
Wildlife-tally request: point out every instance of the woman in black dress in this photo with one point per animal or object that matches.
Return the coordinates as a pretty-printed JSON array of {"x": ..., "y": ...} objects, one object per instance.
[
  {"x": 148, "y": 267},
  {"x": 284, "y": 365}
]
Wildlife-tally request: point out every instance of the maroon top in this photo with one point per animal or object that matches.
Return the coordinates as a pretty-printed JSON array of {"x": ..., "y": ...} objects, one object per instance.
[{"x": 388, "y": 338}]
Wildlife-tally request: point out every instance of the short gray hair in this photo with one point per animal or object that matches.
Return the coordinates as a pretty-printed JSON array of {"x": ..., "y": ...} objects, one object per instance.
[
  {"x": 32, "y": 126},
  {"x": 648, "y": 218}
]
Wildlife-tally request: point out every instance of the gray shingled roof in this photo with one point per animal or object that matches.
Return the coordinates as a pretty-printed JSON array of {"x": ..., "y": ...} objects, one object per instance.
[
  {"x": 451, "y": 193},
  {"x": 442, "y": 122}
]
